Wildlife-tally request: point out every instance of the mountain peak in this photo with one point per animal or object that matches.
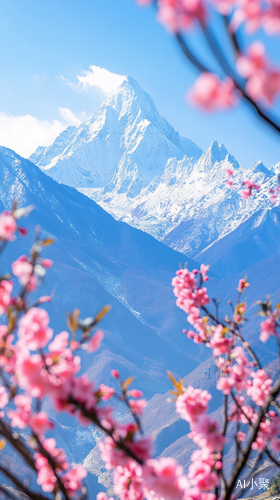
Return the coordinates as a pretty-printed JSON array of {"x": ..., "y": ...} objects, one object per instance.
[
  {"x": 125, "y": 138},
  {"x": 259, "y": 168}
]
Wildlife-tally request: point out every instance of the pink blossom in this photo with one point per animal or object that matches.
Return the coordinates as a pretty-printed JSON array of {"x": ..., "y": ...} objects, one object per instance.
[
  {"x": 113, "y": 456},
  {"x": 200, "y": 475},
  {"x": 229, "y": 171},
  {"x": 73, "y": 479},
  {"x": 210, "y": 93},
  {"x": 47, "y": 263},
  {"x": 268, "y": 327},
  {"x": 82, "y": 391},
  {"x": 241, "y": 436},
  {"x": 128, "y": 482},
  {"x": 275, "y": 445},
  {"x": 177, "y": 15},
  {"x": 46, "y": 478},
  {"x": 21, "y": 416},
  {"x": 219, "y": 342},
  {"x": 31, "y": 374},
  {"x": 192, "y": 403},
  {"x": 225, "y": 385},
  {"x": 260, "y": 388},
  {"x": 95, "y": 341},
  {"x": 22, "y": 269},
  {"x": 59, "y": 343},
  {"x": 135, "y": 393},
  {"x": 229, "y": 184},
  {"x": 33, "y": 330},
  {"x": 106, "y": 392},
  {"x": 264, "y": 85},
  {"x": 4, "y": 398},
  {"x": 250, "y": 185},
  {"x": 253, "y": 62},
  {"x": 242, "y": 285},
  {"x": 8, "y": 226},
  {"x": 206, "y": 434},
  {"x": 187, "y": 291},
  {"x": 40, "y": 423},
  {"x": 115, "y": 373},
  {"x": 5, "y": 295},
  {"x": 137, "y": 407},
  {"x": 165, "y": 478},
  {"x": 271, "y": 18},
  {"x": 249, "y": 12}
]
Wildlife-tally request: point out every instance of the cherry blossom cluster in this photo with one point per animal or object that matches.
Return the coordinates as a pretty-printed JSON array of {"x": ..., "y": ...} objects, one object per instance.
[
  {"x": 36, "y": 363},
  {"x": 247, "y": 73},
  {"x": 241, "y": 378}
]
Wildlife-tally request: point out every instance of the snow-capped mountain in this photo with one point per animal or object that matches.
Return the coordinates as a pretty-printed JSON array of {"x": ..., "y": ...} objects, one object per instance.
[
  {"x": 129, "y": 160},
  {"x": 125, "y": 143},
  {"x": 99, "y": 260}
]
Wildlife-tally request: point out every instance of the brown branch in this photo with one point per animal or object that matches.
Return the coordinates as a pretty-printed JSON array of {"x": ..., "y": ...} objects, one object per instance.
[
  {"x": 31, "y": 494},
  {"x": 119, "y": 442},
  {"x": 246, "y": 453}
]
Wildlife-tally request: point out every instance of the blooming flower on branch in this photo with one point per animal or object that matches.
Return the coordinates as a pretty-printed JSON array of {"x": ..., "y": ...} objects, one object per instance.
[
  {"x": 192, "y": 403},
  {"x": 210, "y": 93},
  {"x": 5, "y": 295},
  {"x": 8, "y": 226},
  {"x": 268, "y": 327},
  {"x": 34, "y": 330}
]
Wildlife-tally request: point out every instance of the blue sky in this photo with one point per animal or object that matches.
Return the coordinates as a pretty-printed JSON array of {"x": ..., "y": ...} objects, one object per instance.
[{"x": 47, "y": 44}]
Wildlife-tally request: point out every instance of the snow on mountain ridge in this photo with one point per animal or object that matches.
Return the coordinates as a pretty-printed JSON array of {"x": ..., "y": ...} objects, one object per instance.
[
  {"x": 127, "y": 158},
  {"x": 126, "y": 131}
]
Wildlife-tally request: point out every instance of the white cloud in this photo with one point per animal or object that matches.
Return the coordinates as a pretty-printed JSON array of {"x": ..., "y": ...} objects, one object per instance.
[
  {"x": 24, "y": 133},
  {"x": 100, "y": 78},
  {"x": 69, "y": 117}
]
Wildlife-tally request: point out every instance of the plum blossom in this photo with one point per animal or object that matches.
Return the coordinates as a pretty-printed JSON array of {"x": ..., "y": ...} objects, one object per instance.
[
  {"x": 229, "y": 182},
  {"x": 106, "y": 392},
  {"x": 4, "y": 398},
  {"x": 23, "y": 269},
  {"x": 34, "y": 330},
  {"x": 135, "y": 393},
  {"x": 103, "y": 496},
  {"x": 201, "y": 475},
  {"x": 165, "y": 478},
  {"x": 8, "y": 226},
  {"x": 242, "y": 285},
  {"x": 219, "y": 342},
  {"x": 210, "y": 93},
  {"x": 73, "y": 479},
  {"x": 177, "y": 15},
  {"x": 40, "y": 423},
  {"x": 20, "y": 417},
  {"x": 263, "y": 81},
  {"x": 95, "y": 341},
  {"x": 192, "y": 403},
  {"x": 268, "y": 327},
  {"x": 187, "y": 291},
  {"x": 128, "y": 481},
  {"x": 206, "y": 433},
  {"x": 250, "y": 185},
  {"x": 138, "y": 406},
  {"x": 5, "y": 295},
  {"x": 260, "y": 387}
]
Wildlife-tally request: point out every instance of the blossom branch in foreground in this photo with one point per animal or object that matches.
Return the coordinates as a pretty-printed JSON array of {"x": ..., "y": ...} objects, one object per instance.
[
  {"x": 258, "y": 88},
  {"x": 35, "y": 364}
]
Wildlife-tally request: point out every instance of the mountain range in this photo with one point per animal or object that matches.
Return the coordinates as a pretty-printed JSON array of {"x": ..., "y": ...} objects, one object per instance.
[{"x": 137, "y": 168}]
